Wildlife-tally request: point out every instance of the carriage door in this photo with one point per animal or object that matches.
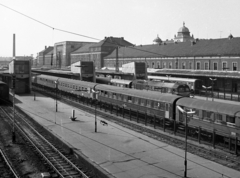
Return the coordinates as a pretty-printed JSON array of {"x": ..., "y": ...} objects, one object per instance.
[{"x": 167, "y": 108}]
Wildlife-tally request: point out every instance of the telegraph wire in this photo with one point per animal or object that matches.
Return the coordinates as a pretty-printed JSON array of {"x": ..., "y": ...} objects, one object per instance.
[{"x": 53, "y": 28}]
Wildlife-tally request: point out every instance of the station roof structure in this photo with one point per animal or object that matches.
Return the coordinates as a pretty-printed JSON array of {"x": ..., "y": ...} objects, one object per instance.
[{"x": 197, "y": 48}]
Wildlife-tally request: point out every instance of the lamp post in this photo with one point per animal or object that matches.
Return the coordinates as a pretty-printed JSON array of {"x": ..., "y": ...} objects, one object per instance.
[
  {"x": 13, "y": 90},
  {"x": 212, "y": 79},
  {"x": 186, "y": 128},
  {"x": 56, "y": 83},
  {"x": 168, "y": 76},
  {"x": 95, "y": 97},
  {"x": 206, "y": 88}
]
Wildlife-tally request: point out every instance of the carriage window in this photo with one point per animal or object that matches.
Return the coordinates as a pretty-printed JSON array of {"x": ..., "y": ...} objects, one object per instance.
[
  {"x": 119, "y": 96},
  {"x": 231, "y": 119},
  {"x": 125, "y": 98},
  {"x": 207, "y": 115},
  {"x": 143, "y": 102},
  {"x": 218, "y": 118},
  {"x": 196, "y": 114},
  {"x": 136, "y": 100},
  {"x": 130, "y": 99},
  {"x": 111, "y": 95},
  {"x": 149, "y": 103},
  {"x": 156, "y": 104},
  {"x": 115, "y": 95},
  {"x": 162, "y": 106}
]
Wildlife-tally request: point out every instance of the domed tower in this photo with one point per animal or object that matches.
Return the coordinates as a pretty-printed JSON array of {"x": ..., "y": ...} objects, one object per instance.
[
  {"x": 157, "y": 40},
  {"x": 183, "y": 35}
]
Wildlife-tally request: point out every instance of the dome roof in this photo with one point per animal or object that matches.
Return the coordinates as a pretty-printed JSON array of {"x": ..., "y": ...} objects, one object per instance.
[
  {"x": 157, "y": 40},
  {"x": 183, "y": 29}
]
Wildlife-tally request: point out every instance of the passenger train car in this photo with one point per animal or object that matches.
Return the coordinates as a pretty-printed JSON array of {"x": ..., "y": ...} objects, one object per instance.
[
  {"x": 194, "y": 84},
  {"x": 4, "y": 92},
  {"x": 213, "y": 117},
  {"x": 163, "y": 87}
]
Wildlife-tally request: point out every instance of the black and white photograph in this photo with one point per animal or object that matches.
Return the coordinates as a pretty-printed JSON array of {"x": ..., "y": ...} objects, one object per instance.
[{"x": 120, "y": 88}]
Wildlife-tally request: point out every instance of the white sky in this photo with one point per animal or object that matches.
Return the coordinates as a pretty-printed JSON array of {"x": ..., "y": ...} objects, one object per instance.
[{"x": 138, "y": 21}]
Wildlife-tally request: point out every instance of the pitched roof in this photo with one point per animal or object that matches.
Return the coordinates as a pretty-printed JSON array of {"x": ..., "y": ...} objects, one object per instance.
[
  {"x": 83, "y": 49},
  {"x": 113, "y": 41},
  {"x": 212, "y": 47}
]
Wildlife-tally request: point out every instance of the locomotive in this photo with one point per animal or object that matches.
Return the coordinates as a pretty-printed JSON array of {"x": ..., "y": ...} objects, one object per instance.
[{"x": 218, "y": 119}]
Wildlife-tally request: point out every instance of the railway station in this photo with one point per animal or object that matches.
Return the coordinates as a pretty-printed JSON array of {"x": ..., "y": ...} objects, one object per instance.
[
  {"x": 115, "y": 150},
  {"x": 116, "y": 109}
]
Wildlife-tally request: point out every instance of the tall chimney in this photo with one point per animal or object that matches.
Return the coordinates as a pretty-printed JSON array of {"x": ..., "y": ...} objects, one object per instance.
[{"x": 14, "y": 47}]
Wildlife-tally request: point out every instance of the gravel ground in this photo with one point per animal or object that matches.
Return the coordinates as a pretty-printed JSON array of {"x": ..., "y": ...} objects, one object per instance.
[{"x": 27, "y": 164}]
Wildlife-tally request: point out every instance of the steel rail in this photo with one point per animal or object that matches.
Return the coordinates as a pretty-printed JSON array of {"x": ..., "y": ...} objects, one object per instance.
[{"x": 49, "y": 144}]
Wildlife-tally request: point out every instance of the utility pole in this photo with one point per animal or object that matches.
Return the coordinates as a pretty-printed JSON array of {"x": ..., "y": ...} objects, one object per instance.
[{"x": 13, "y": 89}]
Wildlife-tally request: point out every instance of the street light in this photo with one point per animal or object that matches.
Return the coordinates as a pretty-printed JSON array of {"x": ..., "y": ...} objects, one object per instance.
[
  {"x": 212, "y": 79},
  {"x": 13, "y": 90},
  {"x": 95, "y": 97},
  {"x": 186, "y": 128},
  {"x": 168, "y": 76},
  {"x": 206, "y": 88},
  {"x": 56, "y": 84}
]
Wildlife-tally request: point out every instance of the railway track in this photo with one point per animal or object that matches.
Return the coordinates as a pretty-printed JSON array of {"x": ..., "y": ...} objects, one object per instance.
[
  {"x": 216, "y": 155},
  {"x": 60, "y": 164},
  {"x": 6, "y": 168}
]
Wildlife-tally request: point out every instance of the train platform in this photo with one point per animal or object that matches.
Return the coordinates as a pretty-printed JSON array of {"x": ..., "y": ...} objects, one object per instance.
[{"x": 118, "y": 151}]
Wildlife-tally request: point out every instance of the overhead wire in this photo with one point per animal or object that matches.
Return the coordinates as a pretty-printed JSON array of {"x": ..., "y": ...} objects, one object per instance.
[
  {"x": 73, "y": 33},
  {"x": 89, "y": 38}
]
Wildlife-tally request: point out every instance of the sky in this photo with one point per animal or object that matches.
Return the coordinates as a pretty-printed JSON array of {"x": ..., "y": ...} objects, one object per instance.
[{"x": 138, "y": 21}]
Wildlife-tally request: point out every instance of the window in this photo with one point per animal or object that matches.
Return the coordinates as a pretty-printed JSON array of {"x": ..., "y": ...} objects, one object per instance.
[
  {"x": 130, "y": 99},
  {"x": 143, "y": 102},
  {"x": 158, "y": 65},
  {"x": 196, "y": 114},
  {"x": 208, "y": 116},
  {"x": 156, "y": 104},
  {"x": 136, "y": 100},
  {"x": 164, "y": 65},
  {"x": 170, "y": 65},
  {"x": 218, "y": 118},
  {"x": 176, "y": 64},
  {"x": 198, "y": 66},
  {"x": 224, "y": 66},
  {"x": 231, "y": 119},
  {"x": 149, "y": 103},
  {"x": 206, "y": 66},
  {"x": 183, "y": 65},
  {"x": 215, "y": 64},
  {"x": 153, "y": 65},
  {"x": 190, "y": 65},
  {"x": 234, "y": 66},
  {"x": 162, "y": 106},
  {"x": 119, "y": 97}
]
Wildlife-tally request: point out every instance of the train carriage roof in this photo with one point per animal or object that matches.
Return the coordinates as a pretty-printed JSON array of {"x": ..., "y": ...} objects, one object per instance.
[
  {"x": 121, "y": 81},
  {"x": 177, "y": 79},
  {"x": 223, "y": 108},
  {"x": 152, "y": 95},
  {"x": 162, "y": 84},
  {"x": 48, "y": 77}
]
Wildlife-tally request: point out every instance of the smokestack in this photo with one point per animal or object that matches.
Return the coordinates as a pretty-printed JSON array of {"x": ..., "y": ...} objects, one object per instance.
[{"x": 14, "y": 47}]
